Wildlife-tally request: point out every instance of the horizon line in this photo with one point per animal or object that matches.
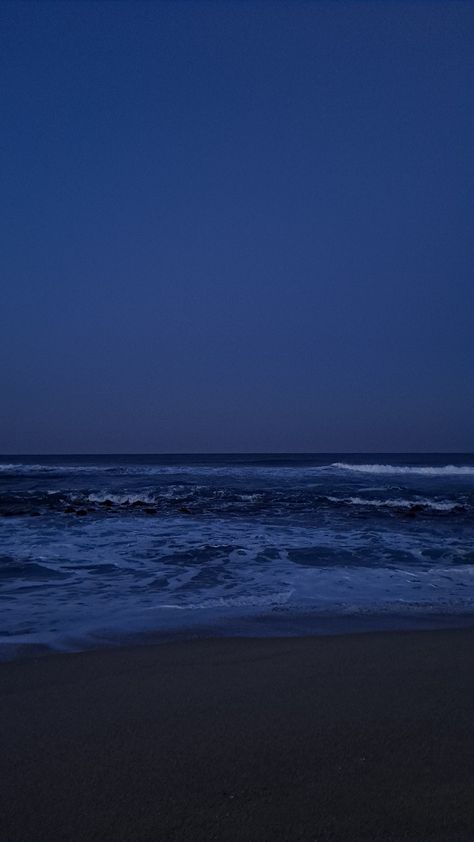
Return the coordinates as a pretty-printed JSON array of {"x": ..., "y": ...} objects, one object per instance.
[{"x": 244, "y": 453}]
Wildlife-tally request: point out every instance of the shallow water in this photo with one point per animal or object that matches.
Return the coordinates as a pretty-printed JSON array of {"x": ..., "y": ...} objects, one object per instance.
[{"x": 95, "y": 549}]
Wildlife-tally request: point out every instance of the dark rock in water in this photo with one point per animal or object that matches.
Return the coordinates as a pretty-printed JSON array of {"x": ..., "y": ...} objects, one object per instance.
[
  {"x": 414, "y": 510},
  {"x": 184, "y": 510},
  {"x": 107, "y": 503},
  {"x": 137, "y": 504}
]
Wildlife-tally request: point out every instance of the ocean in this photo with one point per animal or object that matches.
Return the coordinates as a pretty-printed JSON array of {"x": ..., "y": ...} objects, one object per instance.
[{"x": 103, "y": 550}]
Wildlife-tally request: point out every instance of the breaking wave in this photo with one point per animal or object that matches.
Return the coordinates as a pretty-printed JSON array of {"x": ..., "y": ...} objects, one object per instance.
[
  {"x": 419, "y": 503},
  {"x": 419, "y": 470}
]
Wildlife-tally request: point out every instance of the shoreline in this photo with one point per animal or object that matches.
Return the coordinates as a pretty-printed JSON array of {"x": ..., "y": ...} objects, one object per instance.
[
  {"x": 287, "y": 625},
  {"x": 354, "y": 737}
]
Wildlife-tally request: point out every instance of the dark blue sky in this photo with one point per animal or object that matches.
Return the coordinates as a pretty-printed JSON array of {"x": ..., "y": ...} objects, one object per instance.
[{"x": 236, "y": 226}]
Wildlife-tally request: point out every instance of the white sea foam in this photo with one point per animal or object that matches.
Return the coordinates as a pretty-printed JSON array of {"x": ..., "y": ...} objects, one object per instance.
[
  {"x": 121, "y": 499},
  {"x": 130, "y": 572},
  {"x": 421, "y": 470}
]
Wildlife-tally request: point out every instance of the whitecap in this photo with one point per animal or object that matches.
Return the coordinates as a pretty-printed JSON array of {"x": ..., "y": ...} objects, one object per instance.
[
  {"x": 421, "y": 470},
  {"x": 436, "y": 505}
]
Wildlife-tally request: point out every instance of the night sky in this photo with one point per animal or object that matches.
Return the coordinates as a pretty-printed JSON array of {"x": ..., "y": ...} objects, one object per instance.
[{"x": 236, "y": 226}]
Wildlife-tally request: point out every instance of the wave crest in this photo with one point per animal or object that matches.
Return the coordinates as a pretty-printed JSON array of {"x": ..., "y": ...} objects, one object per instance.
[
  {"x": 418, "y": 503},
  {"x": 421, "y": 470}
]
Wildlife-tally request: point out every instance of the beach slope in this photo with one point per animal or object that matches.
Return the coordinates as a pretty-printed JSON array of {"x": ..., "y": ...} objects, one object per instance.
[{"x": 362, "y": 737}]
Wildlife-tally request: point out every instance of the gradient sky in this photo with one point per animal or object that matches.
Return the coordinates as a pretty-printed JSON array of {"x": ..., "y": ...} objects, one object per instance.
[{"x": 236, "y": 226}]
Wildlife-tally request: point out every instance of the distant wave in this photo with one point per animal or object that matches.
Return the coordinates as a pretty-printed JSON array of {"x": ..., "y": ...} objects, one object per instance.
[
  {"x": 22, "y": 468},
  {"x": 418, "y": 502},
  {"x": 119, "y": 469},
  {"x": 421, "y": 470}
]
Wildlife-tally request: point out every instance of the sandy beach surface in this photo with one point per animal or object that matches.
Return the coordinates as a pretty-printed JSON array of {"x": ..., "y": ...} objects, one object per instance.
[{"x": 362, "y": 737}]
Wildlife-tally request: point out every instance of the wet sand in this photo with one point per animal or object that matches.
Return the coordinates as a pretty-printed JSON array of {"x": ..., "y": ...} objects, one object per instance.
[{"x": 362, "y": 737}]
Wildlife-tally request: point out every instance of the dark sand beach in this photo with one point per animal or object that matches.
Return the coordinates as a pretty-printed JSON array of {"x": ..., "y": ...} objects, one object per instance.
[{"x": 363, "y": 737}]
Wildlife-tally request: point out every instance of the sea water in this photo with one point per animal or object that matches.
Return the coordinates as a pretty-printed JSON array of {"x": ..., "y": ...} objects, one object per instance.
[{"x": 102, "y": 549}]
